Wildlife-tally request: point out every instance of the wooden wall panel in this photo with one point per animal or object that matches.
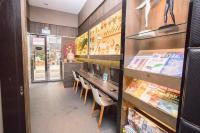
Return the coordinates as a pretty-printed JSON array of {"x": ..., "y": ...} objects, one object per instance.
[
  {"x": 101, "y": 13},
  {"x": 11, "y": 67},
  {"x": 36, "y": 28},
  {"x": 24, "y": 23}
]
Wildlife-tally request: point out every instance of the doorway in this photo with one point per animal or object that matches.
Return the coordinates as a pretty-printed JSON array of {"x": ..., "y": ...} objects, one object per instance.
[{"x": 45, "y": 58}]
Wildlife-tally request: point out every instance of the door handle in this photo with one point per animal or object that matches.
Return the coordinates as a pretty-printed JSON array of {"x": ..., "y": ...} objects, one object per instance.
[{"x": 21, "y": 90}]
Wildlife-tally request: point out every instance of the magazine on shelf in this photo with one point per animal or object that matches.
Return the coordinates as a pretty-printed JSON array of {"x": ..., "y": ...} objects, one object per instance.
[
  {"x": 174, "y": 66},
  {"x": 137, "y": 123},
  {"x": 167, "y": 63},
  {"x": 169, "y": 107},
  {"x": 139, "y": 61},
  {"x": 156, "y": 63},
  {"x": 155, "y": 95}
]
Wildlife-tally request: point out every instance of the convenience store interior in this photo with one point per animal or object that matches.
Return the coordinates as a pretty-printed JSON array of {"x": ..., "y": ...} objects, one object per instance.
[{"x": 100, "y": 66}]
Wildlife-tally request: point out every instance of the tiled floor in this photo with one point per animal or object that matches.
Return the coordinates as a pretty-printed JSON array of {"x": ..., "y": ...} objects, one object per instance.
[{"x": 55, "y": 109}]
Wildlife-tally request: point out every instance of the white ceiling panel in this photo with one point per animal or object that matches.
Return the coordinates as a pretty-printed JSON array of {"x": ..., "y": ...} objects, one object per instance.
[{"x": 70, "y": 6}]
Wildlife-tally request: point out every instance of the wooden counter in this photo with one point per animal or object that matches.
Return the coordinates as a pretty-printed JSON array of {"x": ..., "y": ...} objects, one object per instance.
[
  {"x": 104, "y": 86},
  {"x": 68, "y": 78}
]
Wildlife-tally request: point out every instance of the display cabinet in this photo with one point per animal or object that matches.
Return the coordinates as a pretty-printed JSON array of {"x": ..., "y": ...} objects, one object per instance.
[{"x": 153, "y": 63}]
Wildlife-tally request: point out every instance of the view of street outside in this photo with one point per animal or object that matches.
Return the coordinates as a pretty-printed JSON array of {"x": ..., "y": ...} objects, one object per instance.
[{"x": 53, "y": 55}]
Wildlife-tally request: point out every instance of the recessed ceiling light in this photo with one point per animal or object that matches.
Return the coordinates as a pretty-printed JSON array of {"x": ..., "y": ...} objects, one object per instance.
[{"x": 46, "y": 4}]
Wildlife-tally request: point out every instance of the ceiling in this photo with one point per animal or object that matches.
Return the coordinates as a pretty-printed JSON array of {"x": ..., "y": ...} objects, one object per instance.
[{"x": 70, "y": 6}]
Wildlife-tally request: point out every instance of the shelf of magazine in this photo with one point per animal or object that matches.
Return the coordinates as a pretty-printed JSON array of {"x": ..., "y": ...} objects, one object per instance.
[
  {"x": 155, "y": 113},
  {"x": 163, "y": 67},
  {"x": 160, "y": 32},
  {"x": 138, "y": 123},
  {"x": 164, "y": 80}
]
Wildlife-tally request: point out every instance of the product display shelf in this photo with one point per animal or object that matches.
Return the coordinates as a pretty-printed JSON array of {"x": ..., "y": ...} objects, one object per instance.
[
  {"x": 160, "y": 32},
  {"x": 160, "y": 79},
  {"x": 157, "y": 78},
  {"x": 153, "y": 52},
  {"x": 155, "y": 113}
]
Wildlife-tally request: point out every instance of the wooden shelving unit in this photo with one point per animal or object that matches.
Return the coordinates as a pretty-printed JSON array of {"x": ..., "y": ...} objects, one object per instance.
[
  {"x": 164, "y": 80},
  {"x": 141, "y": 40},
  {"x": 153, "y": 112}
]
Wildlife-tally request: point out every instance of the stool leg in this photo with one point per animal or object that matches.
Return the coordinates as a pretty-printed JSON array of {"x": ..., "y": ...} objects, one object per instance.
[
  {"x": 74, "y": 84},
  {"x": 93, "y": 106},
  {"x": 81, "y": 93},
  {"x": 77, "y": 86},
  {"x": 86, "y": 92},
  {"x": 101, "y": 116}
]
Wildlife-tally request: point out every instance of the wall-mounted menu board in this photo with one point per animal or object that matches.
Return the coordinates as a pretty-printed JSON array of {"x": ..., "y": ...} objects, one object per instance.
[
  {"x": 105, "y": 38},
  {"x": 82, "y": 44}
]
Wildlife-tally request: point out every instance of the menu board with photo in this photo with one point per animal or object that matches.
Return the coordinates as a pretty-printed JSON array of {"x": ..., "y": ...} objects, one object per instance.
[
  {"x": 81, "y": 44},
  {"x": 105, "y": 38}
]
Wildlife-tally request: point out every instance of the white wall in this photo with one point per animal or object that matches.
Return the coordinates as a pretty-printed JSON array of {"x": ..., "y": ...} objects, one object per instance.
[
  {"x": 42, "y": 15},
  {"x": 88, "y": 8}
]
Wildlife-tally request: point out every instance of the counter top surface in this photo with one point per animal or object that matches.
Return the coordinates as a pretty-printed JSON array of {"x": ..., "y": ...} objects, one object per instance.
[{"x": 106, "y": 87}]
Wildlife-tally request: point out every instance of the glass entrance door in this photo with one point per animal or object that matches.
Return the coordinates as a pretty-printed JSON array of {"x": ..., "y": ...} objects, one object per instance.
[
  {"x": 54, "y": 58},
  {"x": 46, "y": 58},
  {"x": 38, "y": 59}
]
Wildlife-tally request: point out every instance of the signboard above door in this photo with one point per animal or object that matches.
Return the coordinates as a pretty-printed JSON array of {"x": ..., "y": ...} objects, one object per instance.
[{"x": 46, "y": 31}]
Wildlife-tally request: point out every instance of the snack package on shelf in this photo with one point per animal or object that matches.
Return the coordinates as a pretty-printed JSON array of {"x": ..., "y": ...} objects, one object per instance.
[
  {"x": 174, "y": 66},
  {"x": 160, "y": 97},
  {"x": 138, "y": 123}
]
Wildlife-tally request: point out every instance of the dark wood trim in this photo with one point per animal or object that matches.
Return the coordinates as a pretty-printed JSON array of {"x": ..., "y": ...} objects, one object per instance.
[
  {"x": 92, "y": 13},
  {"x": 123, "y": 33},
  {"x": 81, "y": 56},
  {"x": 57, "y": 30},
  {"x": 11, "y": 68},
  {"x": 105, "y": 57}
]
